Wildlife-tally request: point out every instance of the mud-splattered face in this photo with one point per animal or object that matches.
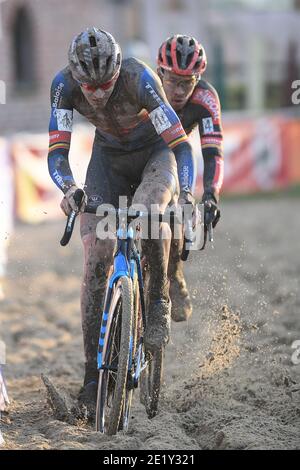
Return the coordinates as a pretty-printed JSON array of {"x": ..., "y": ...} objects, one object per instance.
[
  {"x": 98, "y": 96},
  {"x": 178, "y": 88}
]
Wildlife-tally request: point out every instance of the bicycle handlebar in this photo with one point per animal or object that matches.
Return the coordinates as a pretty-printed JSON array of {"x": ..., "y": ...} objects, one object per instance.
[
  {"x": 78, "y": 197},
  {"x": 168, "y": 216}
]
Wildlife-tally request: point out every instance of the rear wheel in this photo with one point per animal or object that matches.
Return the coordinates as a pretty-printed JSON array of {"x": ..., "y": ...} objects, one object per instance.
[
  {"x": 152, "y": 376},
  {"x": 151, "y": 382},
  {"x": 116, "y": 351}
]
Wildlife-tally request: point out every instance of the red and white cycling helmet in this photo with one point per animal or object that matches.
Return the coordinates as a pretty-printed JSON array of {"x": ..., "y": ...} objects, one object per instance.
[{"x": 182, "y": 55}]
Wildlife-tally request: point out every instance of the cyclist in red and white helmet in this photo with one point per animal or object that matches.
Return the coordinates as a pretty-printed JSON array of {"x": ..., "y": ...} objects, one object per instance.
[{"x": 181, "y": 63}]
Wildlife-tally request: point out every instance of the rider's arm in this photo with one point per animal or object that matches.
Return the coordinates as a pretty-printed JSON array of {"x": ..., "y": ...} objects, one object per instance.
[
  {"x": 168, "y": 126},
  {"x": 210, "y": 129},
  {"x": 60, "y": 130}
]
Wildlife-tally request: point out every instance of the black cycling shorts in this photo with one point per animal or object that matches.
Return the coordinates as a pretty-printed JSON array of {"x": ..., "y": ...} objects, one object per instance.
[{"x": 112, "y": 173}]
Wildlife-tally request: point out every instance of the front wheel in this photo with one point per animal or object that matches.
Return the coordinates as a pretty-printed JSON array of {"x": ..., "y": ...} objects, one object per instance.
[
  {"x": 116, "y": 350},
  {"x": 134, "y": 342}
]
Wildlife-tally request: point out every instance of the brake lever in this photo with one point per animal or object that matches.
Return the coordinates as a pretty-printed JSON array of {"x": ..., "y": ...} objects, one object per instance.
[
  {"x": 208, "y": 229},
  {"x": 187, "y": 240},
  {"x": 78, "y": 197},
  {"x": 210, "y": 233}
]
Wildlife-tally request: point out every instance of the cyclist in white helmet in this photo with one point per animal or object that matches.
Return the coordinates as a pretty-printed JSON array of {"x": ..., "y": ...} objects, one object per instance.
[{"x": 140, "y": 151}]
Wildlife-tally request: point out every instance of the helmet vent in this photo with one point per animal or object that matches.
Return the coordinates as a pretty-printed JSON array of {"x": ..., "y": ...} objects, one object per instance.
[
  {"x": 169, "y": 55},
  {"x": 189, "y": 58},
  {"x": 93, "y": 41},
  {"x": 96, "y": 63},
  {"x": 108, "y": 63},
  {"x": 179, "y": 58},
  {"x": 85, "y": 68}
]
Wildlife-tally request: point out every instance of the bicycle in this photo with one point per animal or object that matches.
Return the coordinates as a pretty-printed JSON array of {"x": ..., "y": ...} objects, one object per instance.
[
  {"x": 123, "y": 361},
  {"x": 122, "y": 358}
]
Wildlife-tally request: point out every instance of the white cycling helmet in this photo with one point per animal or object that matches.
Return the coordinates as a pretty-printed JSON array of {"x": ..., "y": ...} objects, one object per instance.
[{"x": 94, "y": 57}]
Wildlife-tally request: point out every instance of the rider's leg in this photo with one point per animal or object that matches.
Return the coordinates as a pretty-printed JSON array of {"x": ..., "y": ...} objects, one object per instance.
[
  {"x": 181, "y": 302},
  {"x": 110, "y": 175},
  {"x": 159, "y": 185},
  {"x": 98, "y": 255},
  {"x": 97, "y": 261},
  {"x": 97, "y": 258}
]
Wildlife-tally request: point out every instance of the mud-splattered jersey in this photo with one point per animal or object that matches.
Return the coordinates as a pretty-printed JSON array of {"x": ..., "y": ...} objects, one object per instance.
[
  {"x": 203, "y": 110},
  {"x": 137, "y": 114}
]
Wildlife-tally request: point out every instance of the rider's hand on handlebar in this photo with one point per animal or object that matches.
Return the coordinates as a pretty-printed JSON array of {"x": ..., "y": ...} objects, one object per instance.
[
  {"x": 186, "y": 197},
  {"x": 211, "y": 210},
  {"x": 68, "y": 203},
  {"x": 191, "y": 219}
]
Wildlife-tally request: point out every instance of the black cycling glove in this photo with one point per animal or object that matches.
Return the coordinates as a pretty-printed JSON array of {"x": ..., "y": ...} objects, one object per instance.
[{"x": 211, "y": 210}]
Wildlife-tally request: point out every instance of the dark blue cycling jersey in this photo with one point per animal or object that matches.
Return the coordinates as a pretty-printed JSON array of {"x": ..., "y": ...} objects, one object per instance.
[{"x": 136, "y": 115}]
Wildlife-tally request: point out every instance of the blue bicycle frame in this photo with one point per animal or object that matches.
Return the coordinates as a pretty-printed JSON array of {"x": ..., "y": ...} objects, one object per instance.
[{"x": 127, "y": 262}]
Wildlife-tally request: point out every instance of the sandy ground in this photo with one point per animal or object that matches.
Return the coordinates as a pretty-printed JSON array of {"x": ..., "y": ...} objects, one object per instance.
[{"x": 230, "y": 382}]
